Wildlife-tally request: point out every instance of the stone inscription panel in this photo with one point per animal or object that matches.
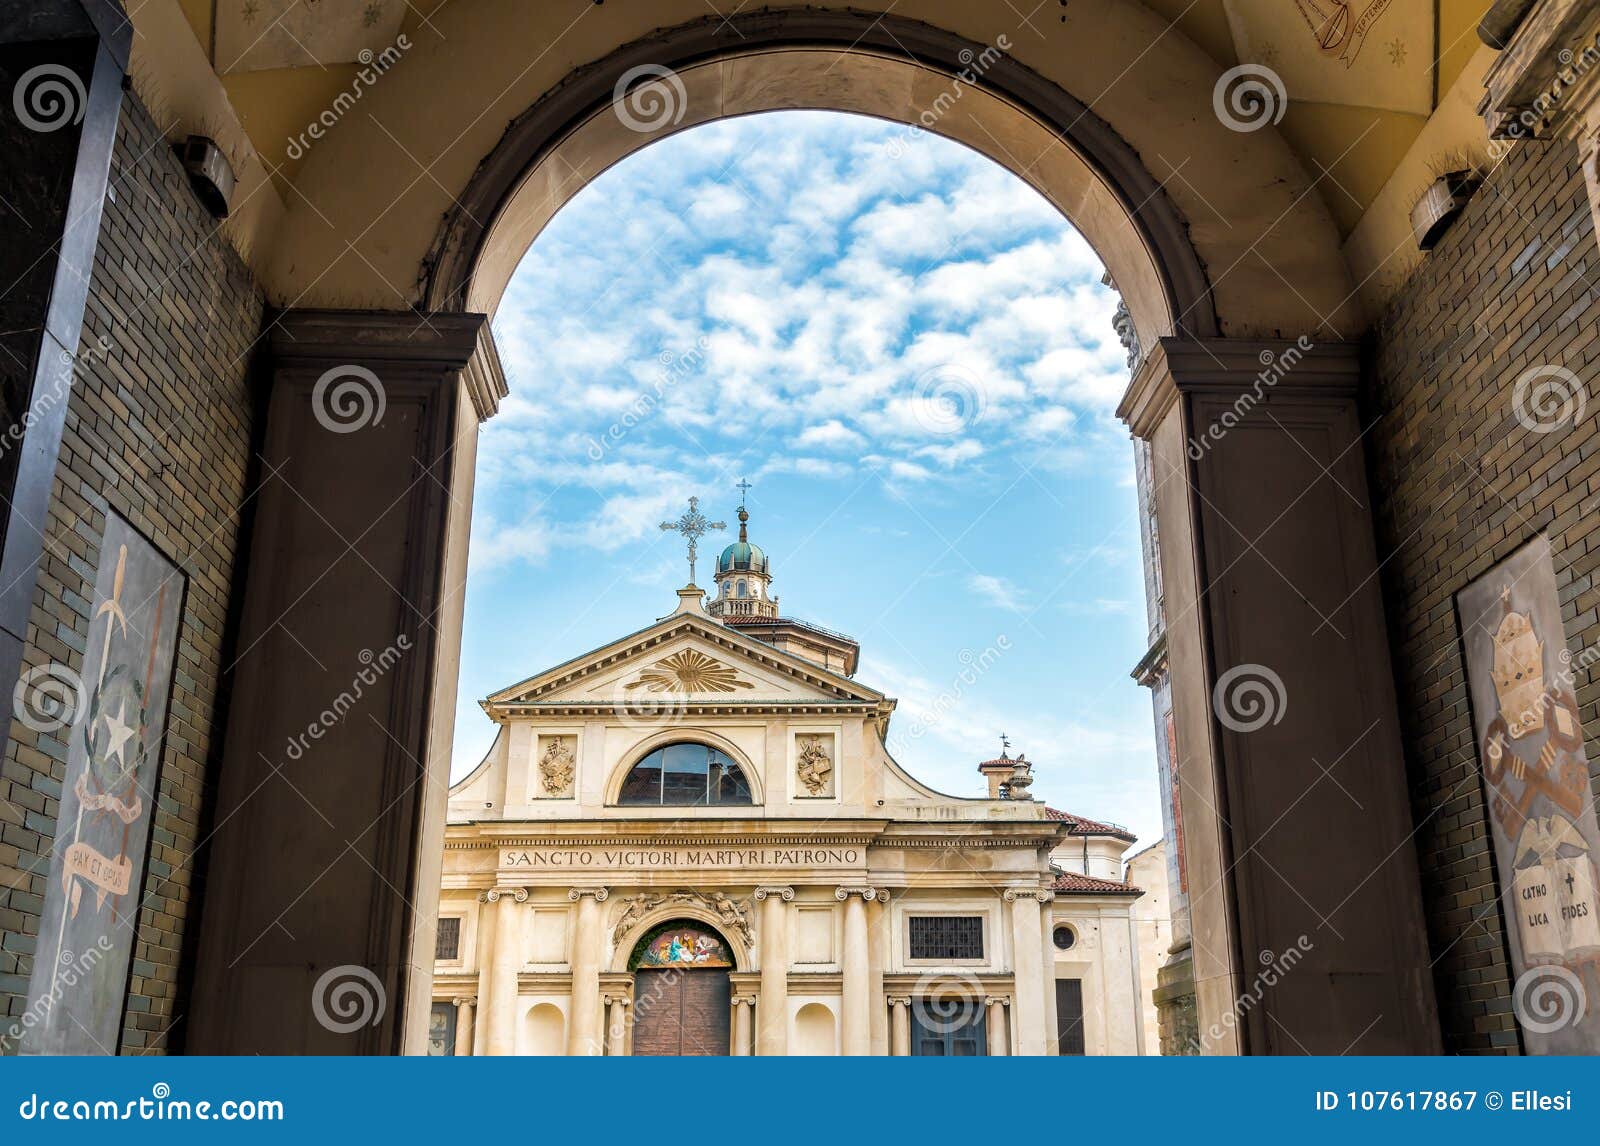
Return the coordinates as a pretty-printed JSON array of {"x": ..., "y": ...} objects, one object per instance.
[{"x": 651, "y": 858}]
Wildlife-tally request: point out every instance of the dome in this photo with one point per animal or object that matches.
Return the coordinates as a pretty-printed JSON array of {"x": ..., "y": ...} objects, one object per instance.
[{"x": 742, "y": 556}]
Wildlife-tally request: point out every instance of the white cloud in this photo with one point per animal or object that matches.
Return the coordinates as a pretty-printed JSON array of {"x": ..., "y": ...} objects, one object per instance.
[
  {"x": 832, "y": 434},
  {"x": 996, "y": 591}
]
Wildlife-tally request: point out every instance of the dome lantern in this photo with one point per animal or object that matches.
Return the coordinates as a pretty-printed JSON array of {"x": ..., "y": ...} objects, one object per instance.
[{"x": 744, "y": 575}]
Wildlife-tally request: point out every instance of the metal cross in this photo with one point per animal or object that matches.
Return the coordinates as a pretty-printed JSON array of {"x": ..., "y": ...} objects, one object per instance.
[
  {"x": 743, "y": 487},
  {"x": 693, "y": 525}
]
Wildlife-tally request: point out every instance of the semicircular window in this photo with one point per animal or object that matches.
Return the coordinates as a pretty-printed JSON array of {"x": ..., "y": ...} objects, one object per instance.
[{"x": 686, "y": 775}]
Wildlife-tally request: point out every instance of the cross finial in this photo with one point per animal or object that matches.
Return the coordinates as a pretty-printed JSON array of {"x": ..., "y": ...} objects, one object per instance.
[
  {"x": 743, "y": 487},
  {"x": 1005, "y": 745},
  {"x": 693, "y": 525}
]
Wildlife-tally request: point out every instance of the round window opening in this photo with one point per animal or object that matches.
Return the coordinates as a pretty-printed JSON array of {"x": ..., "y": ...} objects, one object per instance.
[{"x": 1064, "y": 937}]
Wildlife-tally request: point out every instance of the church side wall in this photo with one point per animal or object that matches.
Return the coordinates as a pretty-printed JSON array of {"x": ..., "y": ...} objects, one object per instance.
[
  {"x": 158, "y": 429},
  {"x": 1460, "y": 484}
]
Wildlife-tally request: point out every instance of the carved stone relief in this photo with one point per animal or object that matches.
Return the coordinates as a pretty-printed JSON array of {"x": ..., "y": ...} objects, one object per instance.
[{"x": 558, "y": 766}]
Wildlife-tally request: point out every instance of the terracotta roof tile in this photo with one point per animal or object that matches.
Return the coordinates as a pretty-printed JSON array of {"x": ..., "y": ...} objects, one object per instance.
[
  {"x": 1079, "y": 826},
  {"x": 1072, "y": 883}
]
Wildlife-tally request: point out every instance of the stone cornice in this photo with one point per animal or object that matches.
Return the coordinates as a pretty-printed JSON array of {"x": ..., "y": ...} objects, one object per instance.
[
  {"x": 1547, "y": 79},
  {"x": 406, "y": 338},
  {"x": 713, "y": 632},
  {"x": 639, "y": 709},
  {"x": 1232, "y": 366},
  {"x": 485, "y": 377},
  {"x": 580, "y": 833}
]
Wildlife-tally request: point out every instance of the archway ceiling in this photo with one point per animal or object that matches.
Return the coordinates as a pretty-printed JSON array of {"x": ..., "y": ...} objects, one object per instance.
[{"x": 1351, "y": 114}]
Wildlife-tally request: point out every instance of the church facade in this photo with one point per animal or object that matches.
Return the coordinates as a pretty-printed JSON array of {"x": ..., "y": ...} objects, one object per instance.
[{"x": 694, "y": 840}]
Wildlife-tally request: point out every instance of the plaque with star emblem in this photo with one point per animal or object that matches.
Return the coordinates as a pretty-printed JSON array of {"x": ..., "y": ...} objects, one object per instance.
[{"x": 112, "y": 716}]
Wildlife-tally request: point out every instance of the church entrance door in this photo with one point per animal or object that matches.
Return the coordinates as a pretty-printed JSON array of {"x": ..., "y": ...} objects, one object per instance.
[
  {"x": 681, "y": 992},
  {"x": 681, "y": 1012}
]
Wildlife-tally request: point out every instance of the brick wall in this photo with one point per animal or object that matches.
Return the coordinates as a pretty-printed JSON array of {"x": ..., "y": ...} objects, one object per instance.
[
  {"x": 158, "y": 429},
  {"x": 1460, "y": 483}
]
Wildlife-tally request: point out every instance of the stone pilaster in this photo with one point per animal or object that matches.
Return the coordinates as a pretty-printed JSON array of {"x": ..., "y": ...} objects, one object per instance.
[
  {"x": 584, "y": 1036},
  {"x": 1027, "y": 954},
  {"x": 501, "y": 1036},
  {"x": 1283, "y": 707},
  {"x": 772, "y": 1019},
  {"x": 485, "y": 958},
  {"x": 357, "y": 548}
]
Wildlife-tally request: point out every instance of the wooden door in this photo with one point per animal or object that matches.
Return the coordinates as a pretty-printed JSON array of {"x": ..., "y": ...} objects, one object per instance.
[{"x": 679, "y": 1012}]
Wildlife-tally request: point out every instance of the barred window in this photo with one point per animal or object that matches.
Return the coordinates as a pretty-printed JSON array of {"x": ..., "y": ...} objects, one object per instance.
[
  {"x": 448, "y": 944},
  {"x": 946, "y": 937}
]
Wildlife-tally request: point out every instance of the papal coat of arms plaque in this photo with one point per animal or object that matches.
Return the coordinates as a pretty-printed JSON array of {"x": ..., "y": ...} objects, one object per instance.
[{"x": 1521, "y": 677}]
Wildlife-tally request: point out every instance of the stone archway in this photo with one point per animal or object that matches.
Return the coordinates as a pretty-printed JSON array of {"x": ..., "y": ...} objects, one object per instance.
[{"x": 397, "y": 496}]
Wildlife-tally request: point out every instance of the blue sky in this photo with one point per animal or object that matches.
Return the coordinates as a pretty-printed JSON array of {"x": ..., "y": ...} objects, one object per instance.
[{"x": 908, "y": 352}]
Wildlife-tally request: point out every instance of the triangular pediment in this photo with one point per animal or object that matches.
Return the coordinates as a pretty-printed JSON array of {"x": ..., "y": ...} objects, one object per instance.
[{"x": 685, "y": 659}]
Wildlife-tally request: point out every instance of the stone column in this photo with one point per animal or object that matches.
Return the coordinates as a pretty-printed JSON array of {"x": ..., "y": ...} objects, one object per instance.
[
  {"x": 616, "y": 1024},
  {"x": 856, "y": 1021},
  {"x": 501, "y": 1037},
  {"x": 995, "y": 1023},
  {"x": 1027, "y": 954},
  {"x": 356, "y": 549},
  {"x": 465, "y": 1005},
  {"x": 900, "y": 1025},
  {"x": 772, "y": 1021},
  {"x": 1282, "y": 685},
  {"x": 743, "y": 1022},
  {"x": 877, "y": 956},
  {"x": 583, "y": 1025}
]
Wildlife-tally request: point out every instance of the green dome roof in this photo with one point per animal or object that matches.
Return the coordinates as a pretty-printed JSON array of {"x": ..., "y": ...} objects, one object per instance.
[{"x": 742, "y": 556}]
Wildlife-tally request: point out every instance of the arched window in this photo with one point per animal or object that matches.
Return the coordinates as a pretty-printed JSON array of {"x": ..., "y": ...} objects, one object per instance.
[
  {"x": 741, "y": 588},
  {"x": 685, "y": 775}
]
